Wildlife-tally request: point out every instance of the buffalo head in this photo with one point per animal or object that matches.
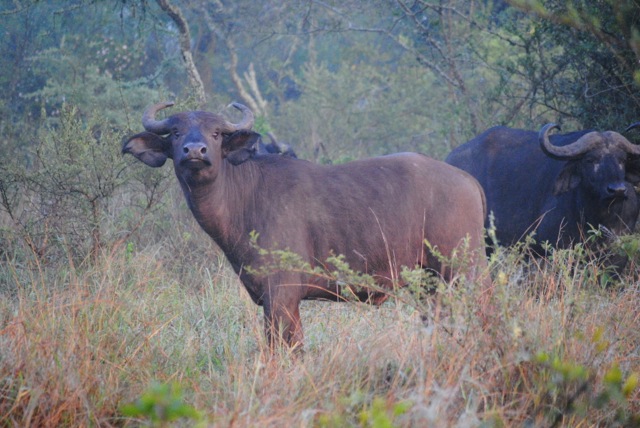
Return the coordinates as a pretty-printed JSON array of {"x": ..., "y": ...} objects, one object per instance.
[
  {"x": 556, "y": 186},
  {"x": 597, "y": 161},
  {"x": 195, "y": 141}
]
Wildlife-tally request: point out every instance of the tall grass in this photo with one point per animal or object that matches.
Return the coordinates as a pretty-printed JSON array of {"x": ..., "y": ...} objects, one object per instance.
[{"x": 79, "y": 343}]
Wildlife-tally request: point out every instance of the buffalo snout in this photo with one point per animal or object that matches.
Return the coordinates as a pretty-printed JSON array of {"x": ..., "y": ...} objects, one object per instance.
[
  {"x": 195, "y": 152},
  {"x": 617, "y": 190}
]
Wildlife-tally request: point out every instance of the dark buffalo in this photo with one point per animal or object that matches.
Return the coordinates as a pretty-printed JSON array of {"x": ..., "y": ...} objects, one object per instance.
[
  {"x": 376, "y": 212},
  {"x": 557, "y": 187},
  {"x": 276, "y": 147}
]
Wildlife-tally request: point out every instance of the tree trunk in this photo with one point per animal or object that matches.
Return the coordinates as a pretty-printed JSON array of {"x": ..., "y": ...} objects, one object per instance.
[{"x": 185, "y": 47}]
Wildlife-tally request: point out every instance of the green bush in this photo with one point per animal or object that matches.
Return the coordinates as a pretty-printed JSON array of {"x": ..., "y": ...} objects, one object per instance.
[{"x": 73, "y": 194}]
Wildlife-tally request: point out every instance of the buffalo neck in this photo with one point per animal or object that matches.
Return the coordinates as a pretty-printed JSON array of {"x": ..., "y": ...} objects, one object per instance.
[
  {"x": 221, "y": 206},
  {"x": 589, "y": 207}
]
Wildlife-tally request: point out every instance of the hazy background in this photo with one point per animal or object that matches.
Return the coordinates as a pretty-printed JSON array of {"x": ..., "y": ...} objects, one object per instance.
[
  {"x": 109, "y": 287},
  {"x": 336, "y": 80}
]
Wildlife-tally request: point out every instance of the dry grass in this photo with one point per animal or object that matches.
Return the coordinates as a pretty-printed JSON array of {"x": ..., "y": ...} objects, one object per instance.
[{"x": 76, "y": 344}]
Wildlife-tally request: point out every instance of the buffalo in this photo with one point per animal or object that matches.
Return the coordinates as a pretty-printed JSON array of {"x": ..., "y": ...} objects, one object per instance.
[
  {"x": 273, "y": 147},
  {"x": 557, "y": 186},
  {"x": 260, "y": 148},
  {"x": 378, "y": 213},
  {"x": 276, "y": 147}
]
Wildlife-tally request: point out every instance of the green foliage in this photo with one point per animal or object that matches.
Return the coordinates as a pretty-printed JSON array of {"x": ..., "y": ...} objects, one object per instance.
[
  {"x": 364, "y": 108},
  {"x": 54, "y": 54},
  {"x": 381, "y": 415},
  {"x": 571, "y": 386},
  {"x": 90, "y": 86},
  {"x": 334, "y": 270},
  {"x": 581, "y": 58},
  {"x": 564, "y": 392},
  {"x": 261, "y": 125},
  {"x": 411, "y": 285},
  {"x": 359, "y": 410},
  {"x": 162, "y": 403},
  {"x": 74, "y": 192},
  {"x": 628, "y": 246},
  {"x": 411, "y": 78}
]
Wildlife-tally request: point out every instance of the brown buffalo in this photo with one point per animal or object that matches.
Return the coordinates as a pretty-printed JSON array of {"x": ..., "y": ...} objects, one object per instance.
[{"x": 376, "y": 212}]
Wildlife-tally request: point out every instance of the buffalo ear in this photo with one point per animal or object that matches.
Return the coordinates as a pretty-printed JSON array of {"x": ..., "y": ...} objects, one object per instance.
[
  {"x": 240, "y": 146},
  {"x": 148, "y": 148},
  {"x": 568, "y": 178},
  {"x": 632, "y": 171}
]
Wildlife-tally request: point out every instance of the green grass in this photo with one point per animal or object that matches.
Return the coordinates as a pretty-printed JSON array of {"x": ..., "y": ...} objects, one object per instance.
[{"x": 80, "y": 343}]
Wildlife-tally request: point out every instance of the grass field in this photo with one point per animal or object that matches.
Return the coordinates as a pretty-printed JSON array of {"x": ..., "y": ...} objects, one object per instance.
[{"x": 155, "y": 336}]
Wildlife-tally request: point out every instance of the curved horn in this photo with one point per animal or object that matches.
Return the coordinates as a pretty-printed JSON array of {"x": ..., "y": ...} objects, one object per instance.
[
  {"x": 625, "y": 144},
  {"x": 149, "y": 119},
  {"x": 571, "y": 151},
  {"x": 632, "y": 126},
  {"x": 245, "y": 123}
]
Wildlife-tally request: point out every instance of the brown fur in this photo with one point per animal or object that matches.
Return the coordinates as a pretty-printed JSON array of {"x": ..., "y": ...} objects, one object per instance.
[{"x": 376, "y": 212}]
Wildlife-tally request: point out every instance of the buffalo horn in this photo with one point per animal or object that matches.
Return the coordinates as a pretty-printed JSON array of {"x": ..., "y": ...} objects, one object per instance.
[
  {"x": 151, "y": 124},
  {"x": 632, "y": 126},
  {"x": 574, "y": 150},
  {"x": 625, "y": 144},
  {"x": 245, "y": 123},
  {"x": 628, "y": 146}
]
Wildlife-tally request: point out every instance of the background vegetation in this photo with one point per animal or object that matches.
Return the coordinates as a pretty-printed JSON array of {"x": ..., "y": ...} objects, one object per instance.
[{"x": 116, "y": 310}]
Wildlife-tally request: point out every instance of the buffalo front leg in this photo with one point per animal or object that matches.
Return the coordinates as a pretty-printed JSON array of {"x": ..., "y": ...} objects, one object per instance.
[{"x": 283, "y": 326}]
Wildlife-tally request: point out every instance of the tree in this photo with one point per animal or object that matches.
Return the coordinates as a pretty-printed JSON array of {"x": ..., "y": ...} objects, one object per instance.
[
  {"x": 184, "y": 35},
  {"x": 582, "y": 58},
  {"x": 62, "y": 204}
]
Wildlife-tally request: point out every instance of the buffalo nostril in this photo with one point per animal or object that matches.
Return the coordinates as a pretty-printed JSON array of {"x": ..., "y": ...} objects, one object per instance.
[
  {"x": 617, "y": 190},
  {"x": 194, "y": 149}
]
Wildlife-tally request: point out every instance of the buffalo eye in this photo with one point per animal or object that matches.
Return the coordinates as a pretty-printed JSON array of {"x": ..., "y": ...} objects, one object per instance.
[
  {"x": 175, "y": 132},
  {"x": 215, "y": 135}
]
